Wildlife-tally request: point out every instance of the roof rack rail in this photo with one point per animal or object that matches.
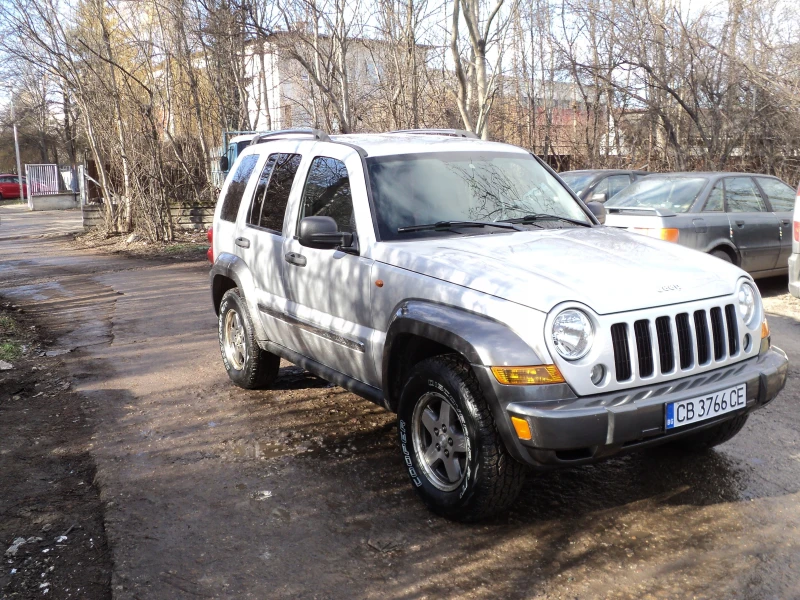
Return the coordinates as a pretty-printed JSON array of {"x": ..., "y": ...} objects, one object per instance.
[
  {"x": 448, "y": 132},
  {"x": 317, "y": 134}
]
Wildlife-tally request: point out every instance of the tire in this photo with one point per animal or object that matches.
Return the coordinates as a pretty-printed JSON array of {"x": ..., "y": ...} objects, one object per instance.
[
  {"x": 722, "y": 255},
  {"x": 708, "y": 438},
  {"x": 470, "y": 475},
  {"x": 247, "y": 364}
]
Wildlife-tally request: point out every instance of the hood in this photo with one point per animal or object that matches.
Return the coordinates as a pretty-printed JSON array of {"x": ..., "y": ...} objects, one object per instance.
[{"x": 607, "y": 269}]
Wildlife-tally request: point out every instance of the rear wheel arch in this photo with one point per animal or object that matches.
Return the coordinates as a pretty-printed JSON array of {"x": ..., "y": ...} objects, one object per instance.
[
  {"x": 731, "y": 252},
  {"x": 220, "y": 284}
]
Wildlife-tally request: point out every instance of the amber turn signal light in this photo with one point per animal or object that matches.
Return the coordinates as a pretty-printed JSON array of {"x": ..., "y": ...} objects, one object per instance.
[
  {"x": 668, "y": 235},
  {"x": 522, "y": 428},
  {"x": 535, "y": 375},
  {"x": 764, "y": 328}
]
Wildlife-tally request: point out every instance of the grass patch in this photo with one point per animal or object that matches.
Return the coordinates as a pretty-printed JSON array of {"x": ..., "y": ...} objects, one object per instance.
[
  {"x": 179, "y": 247},
  {"x": 10, "y": 350},
  {"x": 7, "y": 324}
]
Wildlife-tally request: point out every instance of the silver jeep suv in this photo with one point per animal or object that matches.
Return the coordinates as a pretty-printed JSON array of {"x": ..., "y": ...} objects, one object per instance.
[{"x": 460, "y": 284}]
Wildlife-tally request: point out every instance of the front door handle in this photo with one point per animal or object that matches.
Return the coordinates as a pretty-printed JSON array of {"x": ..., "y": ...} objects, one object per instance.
[
  {"x": 242, "y": 242},
  {"x": 293, "y": 258},
  {"x": 740, "y": 224}
]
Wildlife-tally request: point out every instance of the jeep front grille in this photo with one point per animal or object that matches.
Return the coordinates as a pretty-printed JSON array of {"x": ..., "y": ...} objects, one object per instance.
[{"x": 712, "y": 334}]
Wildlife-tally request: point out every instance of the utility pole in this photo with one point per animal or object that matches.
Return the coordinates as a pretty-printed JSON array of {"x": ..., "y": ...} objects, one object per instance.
[{"x": 16, "y": 150}]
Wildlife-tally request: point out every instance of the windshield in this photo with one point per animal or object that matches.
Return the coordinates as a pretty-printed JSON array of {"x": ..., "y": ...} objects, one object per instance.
[
  {"x": 671, "y": 193},
  {"x": 418, "y": 189},
  {"x": 577, "y": 181}
]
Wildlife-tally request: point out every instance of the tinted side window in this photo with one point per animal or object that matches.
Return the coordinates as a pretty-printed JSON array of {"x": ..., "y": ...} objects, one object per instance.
[
  {"x": 254, "y": 214},
  {"x": 277, "y": 194},
  {"x": 780, "y": 195},
  {"x": 617, "y": 183},
  {"x": 235, "y": 191},
  {"x": 742, "y": 195},
  {"x": 327, "y": 193},
  {"x": 715, "y": 200}
]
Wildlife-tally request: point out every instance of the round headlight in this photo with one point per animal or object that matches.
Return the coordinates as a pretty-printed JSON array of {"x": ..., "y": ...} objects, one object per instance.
[
  {"x": 572, "y": 334},
  {"x": 747, "y": 304}
]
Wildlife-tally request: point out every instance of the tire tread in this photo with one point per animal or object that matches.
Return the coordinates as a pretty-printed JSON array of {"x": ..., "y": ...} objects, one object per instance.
[{"x": 505, "y": 476}]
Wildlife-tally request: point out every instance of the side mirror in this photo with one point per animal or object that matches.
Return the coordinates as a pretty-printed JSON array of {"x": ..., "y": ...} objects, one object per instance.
[
  {"x": 598, "y": 210},
  {"x": 600, "y": 197},
  {"x": 223, "y": 164},
  {"x": 323, "y": 233}
]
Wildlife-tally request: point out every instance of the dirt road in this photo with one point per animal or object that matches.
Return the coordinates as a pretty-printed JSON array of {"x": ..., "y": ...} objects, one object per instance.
[{"x": 211, "y": 491}]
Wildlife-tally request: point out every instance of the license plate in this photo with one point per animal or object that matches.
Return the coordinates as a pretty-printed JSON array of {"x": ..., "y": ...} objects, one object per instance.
[{"x": 691, "y": 411}]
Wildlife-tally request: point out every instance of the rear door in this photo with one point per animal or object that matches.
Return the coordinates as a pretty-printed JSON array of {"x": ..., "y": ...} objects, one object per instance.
[
  {"x": 328, "y": 290},
  {"x": 260, "y": 238},
  {"x": 781, "y": 198},
  {"x": 711, "y": 225},
  {"x": 755, "y": 229},
  {"x": 233, "y": 190}
]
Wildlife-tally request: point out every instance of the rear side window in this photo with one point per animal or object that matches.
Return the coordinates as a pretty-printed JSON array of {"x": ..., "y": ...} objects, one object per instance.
[
  {"x": 617, "y": 183},
  {"x": 743, "y": 196},
  {"x": 327, "y": 193},
  {"x": 780, "y": 195},
  {"x": 272, "y": 194},
  {"x": 235, "y": 191},
  {"x": 715, "y": 202}
]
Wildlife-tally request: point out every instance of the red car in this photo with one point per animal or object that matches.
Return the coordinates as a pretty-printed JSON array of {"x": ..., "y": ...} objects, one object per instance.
[{"x": 9, "y": 186}]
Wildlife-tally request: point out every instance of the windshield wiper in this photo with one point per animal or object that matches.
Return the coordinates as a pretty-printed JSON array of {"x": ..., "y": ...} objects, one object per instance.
[
  {"x": 445, "y": 225},
  {"x": 528, "y": 219}
]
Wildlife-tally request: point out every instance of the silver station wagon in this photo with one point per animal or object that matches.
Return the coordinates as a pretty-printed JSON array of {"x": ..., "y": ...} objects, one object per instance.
[
  {"x": 742, "y": 219},
  {"x": 461, "y": 285}
]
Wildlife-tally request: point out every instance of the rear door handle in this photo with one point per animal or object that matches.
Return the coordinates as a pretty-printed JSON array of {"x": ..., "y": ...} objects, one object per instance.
[
  {"x": 786, "y": 222},
  {"x": 293, "y": 258},
  {"x": 242, "y": 242},
  {"x": 740, "y": 224}
]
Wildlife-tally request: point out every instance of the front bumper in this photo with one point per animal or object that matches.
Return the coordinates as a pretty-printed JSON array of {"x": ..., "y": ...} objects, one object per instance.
[
  {"x": 570, "y": 431},
  {"x": 794, "y": 274}
]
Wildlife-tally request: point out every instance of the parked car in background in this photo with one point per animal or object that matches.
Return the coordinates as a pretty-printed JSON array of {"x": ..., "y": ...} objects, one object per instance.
[
  {"x": 741, "y": 218},
  {"x": 9, "y": 186},
  {"x": 794, "y": 259},
  {"x": 599, "y": 185}
]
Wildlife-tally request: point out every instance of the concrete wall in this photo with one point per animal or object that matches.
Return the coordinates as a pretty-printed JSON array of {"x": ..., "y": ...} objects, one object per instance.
[
  {"x": 54, "y": 202},
  {"x": 184, "y": 217}
]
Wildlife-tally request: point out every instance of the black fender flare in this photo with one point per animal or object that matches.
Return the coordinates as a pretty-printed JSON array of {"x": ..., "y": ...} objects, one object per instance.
[{"x": 480, "y": 339}]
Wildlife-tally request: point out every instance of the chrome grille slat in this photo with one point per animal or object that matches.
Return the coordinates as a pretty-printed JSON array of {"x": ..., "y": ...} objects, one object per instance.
[{"x": 675, "y": 342}]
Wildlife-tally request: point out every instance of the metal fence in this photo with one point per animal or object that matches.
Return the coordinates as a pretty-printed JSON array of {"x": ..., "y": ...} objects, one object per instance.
[{"x": 43, "y": 180}]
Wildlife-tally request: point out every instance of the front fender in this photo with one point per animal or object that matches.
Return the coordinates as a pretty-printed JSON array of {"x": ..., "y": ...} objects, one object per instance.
[{"x": 483, "y": 341}]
